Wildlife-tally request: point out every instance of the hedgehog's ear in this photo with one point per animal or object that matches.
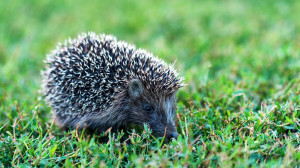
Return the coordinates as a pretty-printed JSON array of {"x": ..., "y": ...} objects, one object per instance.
[{"x": 135, "y": 88}]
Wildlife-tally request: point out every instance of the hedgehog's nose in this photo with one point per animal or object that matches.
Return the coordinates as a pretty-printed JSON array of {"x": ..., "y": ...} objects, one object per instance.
[{"x": 173, "y": 135}]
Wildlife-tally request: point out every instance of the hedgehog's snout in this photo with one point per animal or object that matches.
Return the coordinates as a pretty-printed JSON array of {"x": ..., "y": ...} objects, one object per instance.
[
  {"x": 162, "y": 129},
  {"x": 169, "y": 135},
  {"x": 173, "y": 135}
]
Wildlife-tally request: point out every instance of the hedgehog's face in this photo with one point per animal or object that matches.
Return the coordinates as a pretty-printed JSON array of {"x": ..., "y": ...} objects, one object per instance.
[{"x": 156, "y": 110}]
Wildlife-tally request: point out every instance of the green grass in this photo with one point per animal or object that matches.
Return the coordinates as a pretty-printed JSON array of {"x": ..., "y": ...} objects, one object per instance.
[{"x": 240, "y": 59}]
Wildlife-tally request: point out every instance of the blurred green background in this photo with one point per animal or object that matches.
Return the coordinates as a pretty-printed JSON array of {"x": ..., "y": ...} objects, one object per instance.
[
  {"x": 253, "y": 41},
  {"x": 235, "y": 55}
]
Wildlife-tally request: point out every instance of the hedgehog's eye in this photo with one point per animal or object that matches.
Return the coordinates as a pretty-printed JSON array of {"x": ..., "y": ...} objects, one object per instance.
[{"x": 148, "y": 108}]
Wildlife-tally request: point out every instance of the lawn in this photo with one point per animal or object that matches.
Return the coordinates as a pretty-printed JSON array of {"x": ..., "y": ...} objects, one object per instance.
[{"x": 240, "y": 60}]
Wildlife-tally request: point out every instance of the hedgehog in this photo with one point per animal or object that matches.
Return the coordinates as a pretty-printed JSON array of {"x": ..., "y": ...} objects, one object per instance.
[{"x": 97, "y": 83}]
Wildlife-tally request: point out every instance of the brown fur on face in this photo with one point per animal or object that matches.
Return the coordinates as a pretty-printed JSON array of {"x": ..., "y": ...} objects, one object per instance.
[{"x": 136, "y": 105}]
